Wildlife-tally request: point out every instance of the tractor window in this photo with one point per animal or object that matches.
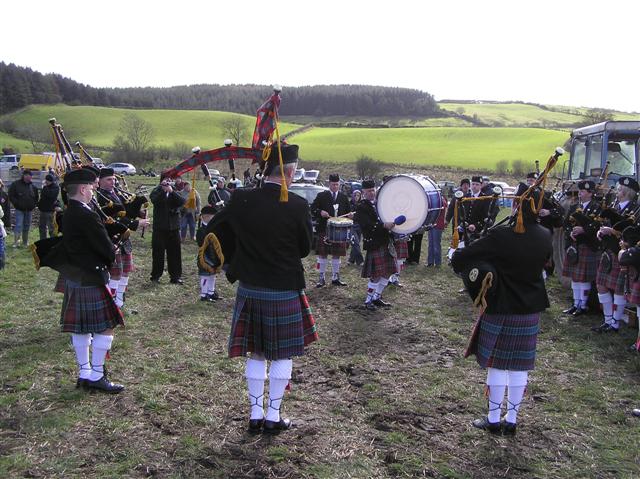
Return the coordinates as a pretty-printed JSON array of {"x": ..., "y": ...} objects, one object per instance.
[
  {"x": 595, "y": 156},
  {"x": 622, "y": 154},
  {"x": 578, "y": 159}
]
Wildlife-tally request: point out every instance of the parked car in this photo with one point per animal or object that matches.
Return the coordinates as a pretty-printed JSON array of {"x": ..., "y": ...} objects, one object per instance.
[
  {"x": 8, "y": 162},
  {"x": 123, "y": 168},
  {"x": 309, "y": 193},
  {"x": 447, "y": 188},
  {"x": 311, "y": 176},
  {"x": 298, "y": 175},
  {"x": 98, "y": 163}
]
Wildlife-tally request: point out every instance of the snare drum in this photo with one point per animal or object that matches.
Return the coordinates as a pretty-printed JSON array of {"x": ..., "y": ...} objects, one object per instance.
[
  {"x": 413, "y": 196},
  {"x": 338, "y": 230}
]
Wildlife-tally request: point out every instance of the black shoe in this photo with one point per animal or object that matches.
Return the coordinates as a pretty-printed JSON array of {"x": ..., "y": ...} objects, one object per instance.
[
  {"x": 103, "y": 384},
  {"x": 604, "y": 328},
  {"x": 206, "y": 299},
  {"x": 80, "y": 382},
  {"x": 580, "y": 312},
  {"x": 155, "y": 280},
  {"x": 380, "y": 302},
  {"x": 369, "y": 306},
  {"x": 337, "y": 282},
  {"x": 321, "y": 283},
  {"x": 272, "y": 427},
  {"x": 176, "y": 281},
  {"x": 397, "y": 284},
  {"x": 484, "y": 424},
  {"x": 255, "y": 426},
  {"x": 430, "y": 265},
  {"x": 571, "y": 310},
  {"x": 508, "y": 428},
  {"x": 214, "y": 296}
]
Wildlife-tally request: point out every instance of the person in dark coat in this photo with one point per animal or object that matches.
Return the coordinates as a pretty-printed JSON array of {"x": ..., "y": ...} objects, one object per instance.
[
  {"x": 166, "y": 232},
  {"x": 328, "y": 204},
  {"x": 6, "y": 206},
  {"x": 24, "y": 197},
  {"x": 207, "y": 278},
  {"x": 47, "y": 204},
  {"x": 508, "y": 327},
  {"x": 89, "y": 312},
  {"x": 475, "y": 213},
  {"x": 263, "y": 240}
]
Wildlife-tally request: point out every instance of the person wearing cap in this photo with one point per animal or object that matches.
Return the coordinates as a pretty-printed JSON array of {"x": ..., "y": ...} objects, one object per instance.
[
  {"x": 531, "y": 178},
  {"x": 264, "y": 233},
  {"x": 23, "y": 195},
  {"x": 475, "y": 213},
  {"x": 328, "y": 204},
  {"x": 465, "y": 185},
  {"x": 507, "y": 331},
  {"x": 208, "y": 291},
  {"x": 580, "y": 257},
  {"x": 48, "y": 204},
  {"x": 379, "y": 264},
  {"x": 610, "y": 280},
  {"x": 112, "y": 203},
  {"x": 223, "y": 193},
  {"x": 89, "y": 311}
]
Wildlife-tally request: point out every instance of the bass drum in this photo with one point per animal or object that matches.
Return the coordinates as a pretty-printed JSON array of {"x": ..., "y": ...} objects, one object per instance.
[{"x": 415, "y": 197}]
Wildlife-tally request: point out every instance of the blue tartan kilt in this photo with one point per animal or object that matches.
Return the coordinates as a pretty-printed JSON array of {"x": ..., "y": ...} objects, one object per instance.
[
  {"x": 508, "y": 341},
  {"x": 277, "y": 324},
  {"x": 88, "y": 309},
  {"x": 613, "y": 280},
  {"x": 379, "y": 263},
  {"x": 586, "y": 268},
  {"x": 330, "y": 249}
]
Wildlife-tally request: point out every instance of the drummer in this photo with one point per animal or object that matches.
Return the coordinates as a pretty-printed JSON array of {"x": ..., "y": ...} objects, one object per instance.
[{"x": 331, "y": 203}]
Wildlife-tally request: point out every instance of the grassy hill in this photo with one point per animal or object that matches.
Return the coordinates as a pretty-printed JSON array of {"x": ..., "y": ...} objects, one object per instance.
[
  {"x": 17, "y": 144},
  {"x": 473, "y": 148}
]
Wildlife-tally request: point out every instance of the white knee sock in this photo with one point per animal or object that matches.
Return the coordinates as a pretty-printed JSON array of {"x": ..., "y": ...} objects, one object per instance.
[
  {"x": 619, "y": 302},
  {"x": 101, "y": 346},
  {"x": 607, "y": 306},
  {"x": 496, "y": 384},
  {"x": 81, "y": 343},
  {"x": 517, "y": 382},
  {"x": 381, "y": 285},
  {"x": 204, "y": 285},
  {"x": 584, "y": 294},
  {"x": 212, "y": 284},
  {"x": 335, "y": 268},
  {"x": 122, "y": 287},
  {"x": 113, "y": 286},
  {"x": 371, "y": 291},
  {"x": 256, "y": 374},
  {"x": 279, "y": 375},
  {"x": 322, "y": 265}
]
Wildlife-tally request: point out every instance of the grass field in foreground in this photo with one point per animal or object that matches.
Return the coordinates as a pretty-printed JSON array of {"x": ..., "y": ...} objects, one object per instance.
[
  {"x": 381, "y": 395},
  {"x": 472, "y": 148}
]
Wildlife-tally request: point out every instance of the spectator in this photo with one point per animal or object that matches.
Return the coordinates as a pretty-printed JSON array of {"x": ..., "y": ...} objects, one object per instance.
[
  {"x": 3, "y": 235},
  {"x": 6, "y": 207},
  {"x": 355, "y": 255},
  {"x": 47, "y": 205},
  {"x": 188, "y": 215},
  {"x": 434, "y": 258},
  {"x": 24, "y": 198},
  {"x": 223, "y": 193}
]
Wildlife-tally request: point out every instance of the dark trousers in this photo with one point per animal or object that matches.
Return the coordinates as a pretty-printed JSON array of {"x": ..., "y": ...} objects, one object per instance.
[
  {"x": 415, "y": 246},
  {"x": 45, "y": 224},
  {"x": 166, "y": 241}
]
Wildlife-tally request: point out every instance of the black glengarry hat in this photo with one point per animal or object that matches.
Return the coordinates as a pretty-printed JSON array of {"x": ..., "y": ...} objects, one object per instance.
[
  {"x": 533, "y": 175},
  {"x": 368, "y": 184},
  {"x": 104, "y": 172},
  {"x": 587, "y": 185},
  {"x": 289, "y": 155},
  {"x": 334, "y": 177},
  {"x": 83, "y": 176},
  {"x": 476, "y": 179},
  {"x": 629, "y": 183}
]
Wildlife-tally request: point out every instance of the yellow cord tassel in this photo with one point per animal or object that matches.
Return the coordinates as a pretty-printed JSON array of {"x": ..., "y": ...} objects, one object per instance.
[
  {"x": 284, "y": 192},
  {"x": 455, "y": 239},
  {"x": 191, "y": 200}
]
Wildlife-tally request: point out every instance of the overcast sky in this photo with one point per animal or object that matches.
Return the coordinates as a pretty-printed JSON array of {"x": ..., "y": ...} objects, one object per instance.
[{"x": 579, "y": 53}]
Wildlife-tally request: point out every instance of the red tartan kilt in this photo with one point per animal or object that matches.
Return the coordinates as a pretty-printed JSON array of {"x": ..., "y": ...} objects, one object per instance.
[
  {"x": 127, "y": 263},
  {"x": 614, "y": 279},
  {"x": 88, "y": 309},
  {"x": 330, "y": 249},
  {"x": 115, "y": 272},
  {"x": 59, "y": 287},
  {"x": 402, "y": 249},
  {"x": 379, "y": 263},
  {"x": 586, "y": 268},
  {"x": 634, "y": 286}
]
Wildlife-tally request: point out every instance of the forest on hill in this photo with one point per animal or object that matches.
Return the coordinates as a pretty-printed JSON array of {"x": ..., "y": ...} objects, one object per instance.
[{"x": 22, "y": 86}]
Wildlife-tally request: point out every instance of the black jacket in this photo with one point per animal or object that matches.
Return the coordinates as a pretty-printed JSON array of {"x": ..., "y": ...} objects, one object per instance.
[
  {"x": 374, "y": 234},
  {"x": 49, "y": 198},
  {"x": 88, "y": 249},
  {"x": 6, "y": 207},
  {"x": 324, "y": 202},
  {"x": 23, "y": 196},
  {"x": 518, "y": 259},
  {"x": 263, "y": 240},
  {"x": 589, "y": 236},
  {"x": 166, "y": 209}
]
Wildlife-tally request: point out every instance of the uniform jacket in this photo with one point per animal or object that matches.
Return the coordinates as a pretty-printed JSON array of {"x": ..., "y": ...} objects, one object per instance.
[
  {"x": 518, "y": 259},
  {"x": 166, "y": 209},
  {"x": 263, "y": 239},
  {"x": 23, "y": 196},
  {"x": 49, "y": 198},
  {"x": 324, "y": 202},
  {"x": 374, "y": 234},
  {"x": 589, "y": 236}
]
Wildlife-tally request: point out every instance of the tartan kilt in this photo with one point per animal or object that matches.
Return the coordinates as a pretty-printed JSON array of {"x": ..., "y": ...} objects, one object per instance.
[
  {"x": 634, "y": 286},
  {"x": 614, "y": 279},
  {"x": 115, "y": 272},
  {"x": 88, "y": 309},
  {"x": 127, "y": 263},
  {"x": 586, "y": 268},
  {"x": 330, "y": 249},
  {"x": 402, "y": 248},
  {"x": 507, "y": 341},
  {"x": 275, "y": 323},
  {"x": 60, "y": 282},
  {"x": 379, "y": 263}
]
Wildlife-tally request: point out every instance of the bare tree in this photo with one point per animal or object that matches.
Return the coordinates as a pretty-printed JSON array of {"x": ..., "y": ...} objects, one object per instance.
[
  {"x": 134, "y": 142},
  {"x": 235, "y": 128},
  {"x": 597, "y": 115},
  {"x": 367, "y": 167},
  {"x": 38, "y": 136}
]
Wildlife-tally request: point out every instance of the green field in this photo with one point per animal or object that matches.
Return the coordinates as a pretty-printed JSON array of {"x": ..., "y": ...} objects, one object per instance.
[
  {"x": 472, "y": 148},
  {"x": 98, "y": 126},
  {"x": 8, "y": 141},
  {"x": 392, "y": 122}
]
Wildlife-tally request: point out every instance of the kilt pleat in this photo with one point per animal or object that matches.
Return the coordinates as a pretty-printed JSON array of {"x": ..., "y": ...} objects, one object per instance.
[
  {"x": 127, "y": 263},
  {"x": 508, "y": 341},
  {"x": 378, "y": 263},
  {"x": 277, "y": 324},
  {"x": 59, "y": 286},
  {"x": 586, "y": 268},
  {"x": 330, "y": 249},
  {"x": 634, "y": 284},
  {"x": 402, "y": 248},
  {"x": 88, "y": 309},
  {"x": 115, "y": 272},
  {"x": 613, "y": 280}
]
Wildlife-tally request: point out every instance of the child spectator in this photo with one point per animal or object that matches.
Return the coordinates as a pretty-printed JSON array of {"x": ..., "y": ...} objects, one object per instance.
[{"x": 207, "y": 279}]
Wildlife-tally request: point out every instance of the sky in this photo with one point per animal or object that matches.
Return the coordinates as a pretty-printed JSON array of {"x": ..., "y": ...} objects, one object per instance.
[{"x": 562, "y": 52}]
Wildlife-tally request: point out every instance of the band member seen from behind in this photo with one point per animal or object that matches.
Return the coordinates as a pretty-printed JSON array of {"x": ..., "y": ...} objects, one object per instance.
[
  {"x": 581, "y": 257},
  {"x": 89, "y": 311},
  {"x": 263, "y": 240},
  {"x": 330, "y": 204},
  {"x": 610, "y": 279},
  {"x": 379, "y": 263},
  {"x": 207, "y": 277},
  {"x": 506, "y": 336},
  {"x": 113, "y": 204},
  {"x": 166, "y": 231}
]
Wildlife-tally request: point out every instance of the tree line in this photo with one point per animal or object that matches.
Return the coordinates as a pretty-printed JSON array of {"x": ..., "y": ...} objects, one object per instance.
[{"x": 22, "y": 86}]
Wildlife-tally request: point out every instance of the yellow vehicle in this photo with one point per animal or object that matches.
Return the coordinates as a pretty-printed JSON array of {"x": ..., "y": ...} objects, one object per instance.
[{"x": 37, "y": 162}]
